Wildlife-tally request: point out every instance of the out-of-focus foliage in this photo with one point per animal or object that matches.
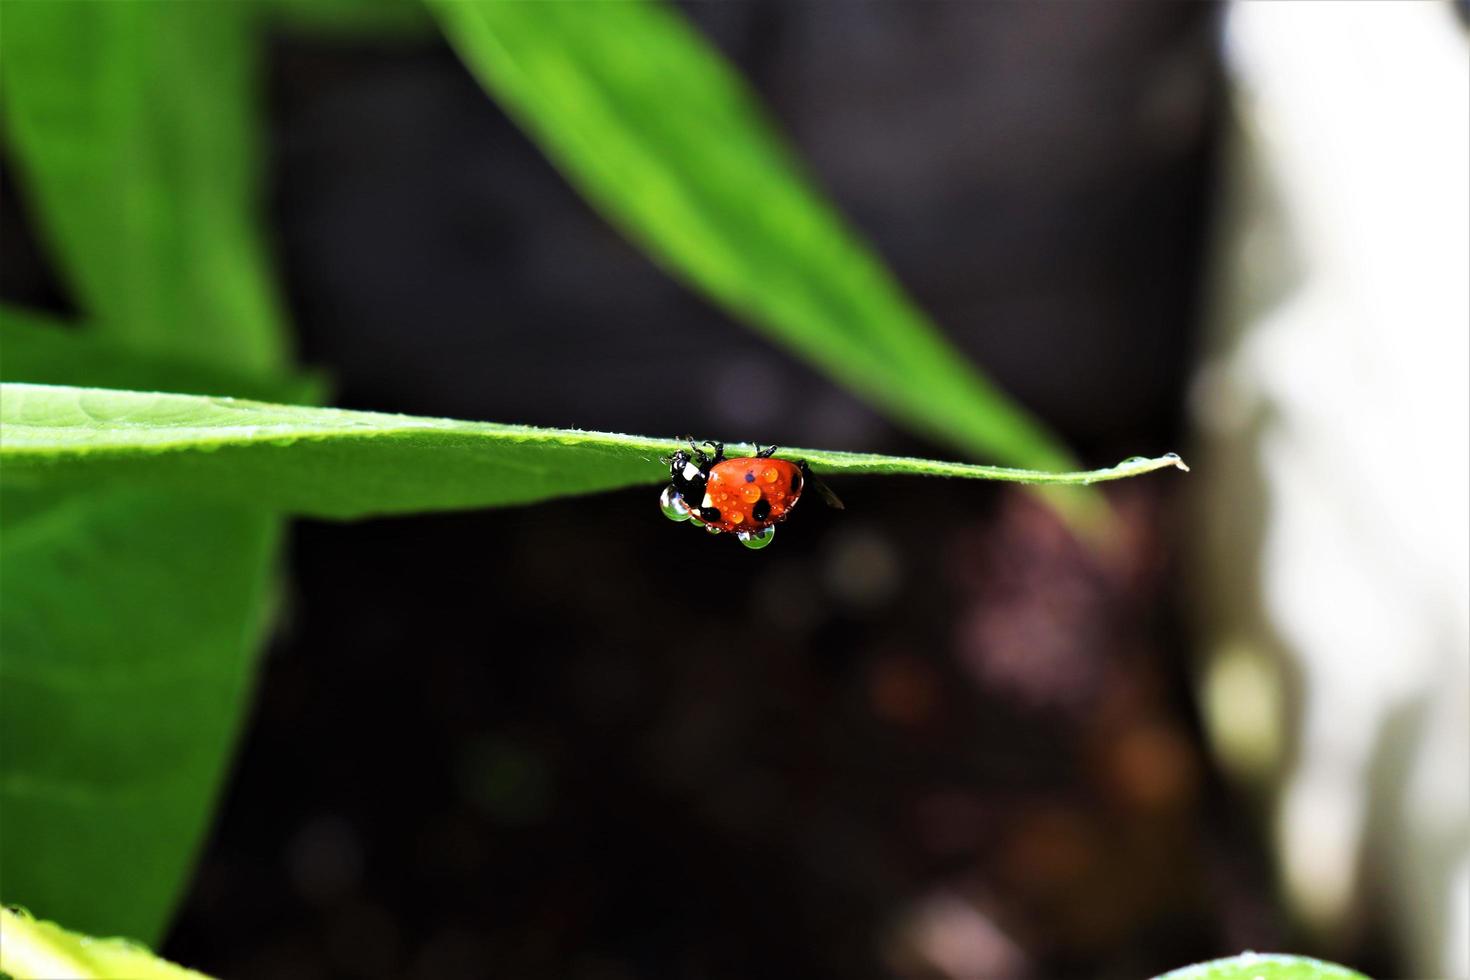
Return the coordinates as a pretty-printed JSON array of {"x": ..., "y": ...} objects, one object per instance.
[
  {"x": 40, "y": 350},
  {"x": 35, "y": 950},
  {"x": 130, "y": 618},
  {"x": 653, "y": 126},
  {"x": 134, "y": 128}
]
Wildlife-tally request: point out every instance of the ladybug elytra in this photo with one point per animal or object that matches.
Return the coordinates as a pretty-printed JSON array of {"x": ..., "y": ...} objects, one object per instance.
[{"x": 746, "y": 496}]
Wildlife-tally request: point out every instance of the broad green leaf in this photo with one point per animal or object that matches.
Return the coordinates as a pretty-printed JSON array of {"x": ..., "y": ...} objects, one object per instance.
[
  {"x": 335, "y": 463},
  {"x": 132, "y": 126},
  {"x": 129, "y": 626},
  {"x": 36, "y": 348},
  {"x": 34, "y": 950},
  {"x": 1264, "y": 966},
  {"x": 665, "y": 138},
  {"x": 130, "y": 618}
]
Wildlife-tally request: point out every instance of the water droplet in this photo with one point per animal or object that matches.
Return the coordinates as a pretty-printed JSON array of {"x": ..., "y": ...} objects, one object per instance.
[
  {"x": 712, "y": 529},
  {"x": 736, "y": 517},
  {"x": 750, "y": 494},
  {"x": 756, "y": 540},
  {"x": 769, "y": 474},
  {"x": 696, "y": 522},
  {"x": 673, "y": 505},
  {"x": 1134, "y": 461}
]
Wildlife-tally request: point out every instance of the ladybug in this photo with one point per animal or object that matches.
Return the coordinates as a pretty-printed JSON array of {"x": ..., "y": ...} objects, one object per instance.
[{"x": 746, "y": 496}]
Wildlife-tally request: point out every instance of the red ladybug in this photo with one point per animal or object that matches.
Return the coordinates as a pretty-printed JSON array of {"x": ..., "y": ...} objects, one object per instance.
[{"x": 747, "y": 496}]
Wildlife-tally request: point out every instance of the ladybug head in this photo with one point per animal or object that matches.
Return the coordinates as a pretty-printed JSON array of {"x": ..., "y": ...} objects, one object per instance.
[{"x": 687, "y": 476}]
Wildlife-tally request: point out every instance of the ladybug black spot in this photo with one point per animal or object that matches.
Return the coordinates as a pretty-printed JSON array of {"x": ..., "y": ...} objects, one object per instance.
[
  {"x": 709, "y": 515},
  {"x": 750, "y": 476},
  {"x": 761, "y": 510}
]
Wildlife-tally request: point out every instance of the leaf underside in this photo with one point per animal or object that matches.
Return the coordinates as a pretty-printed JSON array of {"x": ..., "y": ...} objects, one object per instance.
[{"x": 325, "y": 462}]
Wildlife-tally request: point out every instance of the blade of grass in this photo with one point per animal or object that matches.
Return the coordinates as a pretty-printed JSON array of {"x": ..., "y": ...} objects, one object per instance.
[
  {"x": 659, "y": 133},
  {"x": 334, "y": 463}
]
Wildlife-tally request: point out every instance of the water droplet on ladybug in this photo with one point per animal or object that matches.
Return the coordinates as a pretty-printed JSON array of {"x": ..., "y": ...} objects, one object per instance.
[
  {"x": 696, "y": 522},
  {"x": 769, "y": 474},
  {"x": 673, "y": 505},
  {"x": 712, "y": 529},
  {"x": 750, "y": 494},
  {"x": 756, "y": 540}
]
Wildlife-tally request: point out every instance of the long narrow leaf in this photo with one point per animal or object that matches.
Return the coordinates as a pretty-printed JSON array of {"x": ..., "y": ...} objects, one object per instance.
[
  {"x": 335, "y": 463},
  {"x": 660, "y": 134}
]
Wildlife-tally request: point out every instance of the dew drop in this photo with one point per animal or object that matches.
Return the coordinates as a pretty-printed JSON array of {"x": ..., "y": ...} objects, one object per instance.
[
  {"x": 756, "y": 540},
  {"x": 769, "y": 474},
  {"x": 736, "y": 517},
  {"x": 712, "y": 529},
  {"x": 673, "y": 505},
  {"x": 751, "y": 494},
  {"x": 696, "y": 522}
]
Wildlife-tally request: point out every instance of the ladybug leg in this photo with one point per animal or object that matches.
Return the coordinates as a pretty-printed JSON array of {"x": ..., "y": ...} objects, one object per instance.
[
  {"x": 719, "y": 448},
  {"x": 815, "y": 482},
  {"x": 768, "y": 452}
]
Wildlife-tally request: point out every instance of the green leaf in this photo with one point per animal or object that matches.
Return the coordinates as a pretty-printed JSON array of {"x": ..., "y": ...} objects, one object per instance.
[
  {"x": 335, "y": 463},
  {"x": 132, "y": 127},
  {"x": 35, "y": 950},
  {"x": 662, "y": 136},
  {"x": 1264, "y": 966},
  {"x": 129, "y": 625}
]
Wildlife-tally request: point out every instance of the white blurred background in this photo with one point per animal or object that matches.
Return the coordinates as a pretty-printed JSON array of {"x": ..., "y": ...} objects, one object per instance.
[{"x": 1334, "y": 409}]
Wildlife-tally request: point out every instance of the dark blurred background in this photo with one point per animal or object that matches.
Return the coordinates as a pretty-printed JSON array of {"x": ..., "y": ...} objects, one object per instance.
[{"x": 931, "y": 736}]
